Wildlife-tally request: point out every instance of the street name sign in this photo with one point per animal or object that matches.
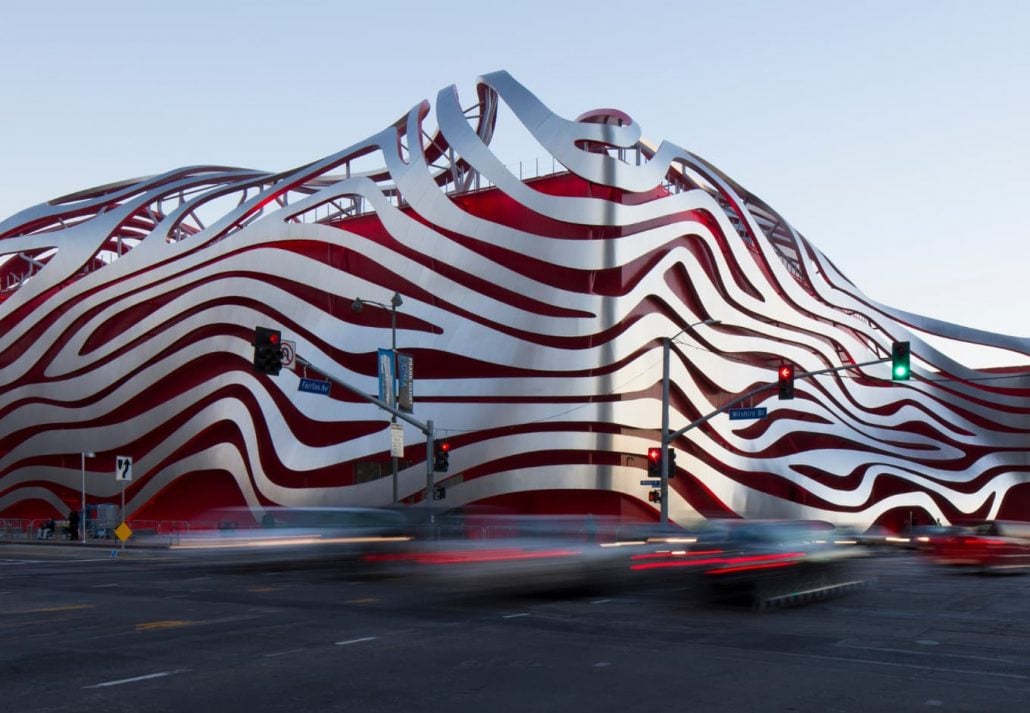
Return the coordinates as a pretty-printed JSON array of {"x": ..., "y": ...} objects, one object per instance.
[
  {"x": 651, "y": 483},
  {"x": 314, "y": 386},
  {"x": 739, "y": 414}
]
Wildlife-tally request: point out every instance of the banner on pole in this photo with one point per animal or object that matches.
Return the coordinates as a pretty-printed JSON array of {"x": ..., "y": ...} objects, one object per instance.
[
  {"x": 406, "y": 389},
  {"x": 386, "y": 377}
]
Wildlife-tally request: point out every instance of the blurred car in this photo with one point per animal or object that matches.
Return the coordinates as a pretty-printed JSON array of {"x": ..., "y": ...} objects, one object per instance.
[
  {"x": 345, "y": 532},
  {"x": 764, "y": 563},
  {"x": 927, "y": 538},
  {"x": 509, "y": 555},
  {"x": 997, "y": 545}
]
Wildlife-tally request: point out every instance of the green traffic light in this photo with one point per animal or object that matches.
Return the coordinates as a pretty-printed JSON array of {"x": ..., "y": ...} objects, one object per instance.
[{"x": 900, "y": 357}]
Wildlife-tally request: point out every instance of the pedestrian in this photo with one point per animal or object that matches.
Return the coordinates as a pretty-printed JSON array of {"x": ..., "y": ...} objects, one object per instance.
[
  {"x": 591, "y": 527},
  {"x": 72, "y": 530},
  {"x": 46, "y": 530}
]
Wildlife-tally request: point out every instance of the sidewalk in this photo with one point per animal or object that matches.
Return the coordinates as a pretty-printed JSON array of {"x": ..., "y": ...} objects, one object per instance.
[{"x": 133, "y": 543}]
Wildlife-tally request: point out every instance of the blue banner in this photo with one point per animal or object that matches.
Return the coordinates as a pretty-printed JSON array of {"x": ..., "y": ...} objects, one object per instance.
[
  {"x": 406, "y": 389},
  {"x": 386, "y": 377}
]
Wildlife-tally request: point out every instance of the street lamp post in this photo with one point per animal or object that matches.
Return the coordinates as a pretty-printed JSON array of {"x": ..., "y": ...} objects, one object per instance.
[
  {"x": 666, "y": 349},
  {"x": 82, "y": 520},
  {"x": 395, "y": 302}
]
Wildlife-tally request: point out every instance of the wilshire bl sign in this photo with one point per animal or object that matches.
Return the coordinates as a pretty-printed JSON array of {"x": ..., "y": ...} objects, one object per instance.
[{"x": 740, "y": 414}]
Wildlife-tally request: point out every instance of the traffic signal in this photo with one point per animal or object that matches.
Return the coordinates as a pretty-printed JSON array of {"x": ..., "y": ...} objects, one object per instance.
[
  {"x": 900, "y": 356},
  {"x": 654, "y": 496},
  {"x": 654, "y": 462},
  {"x": 268, "y": 355},
  {"x": 786, "y": 377},
  {"x": 671, "y": 452},
  {"x": 441, "y": 450}
]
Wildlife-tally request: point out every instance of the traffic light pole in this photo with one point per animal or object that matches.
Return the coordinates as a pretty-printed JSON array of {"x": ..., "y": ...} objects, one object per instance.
[
  {"x": 426, "y": 428},
  {"x": 664, "y": 457},
  {"x": 668, "y": 438}
]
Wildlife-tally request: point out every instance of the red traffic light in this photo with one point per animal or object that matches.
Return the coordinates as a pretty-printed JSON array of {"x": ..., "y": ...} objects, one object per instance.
[
  {"x": 441, "y": 456},
  {"x": 654, "y": 462},
  {"x": 786, "y": 381},
  {"x": 268, "y": 357}
]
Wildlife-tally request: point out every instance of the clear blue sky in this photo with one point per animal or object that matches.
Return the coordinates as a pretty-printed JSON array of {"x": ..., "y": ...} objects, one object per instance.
[{"x": 893, "y": 135}]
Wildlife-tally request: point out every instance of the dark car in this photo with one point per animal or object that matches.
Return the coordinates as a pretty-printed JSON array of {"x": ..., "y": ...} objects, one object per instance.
[{"x": 763, "y": 563}]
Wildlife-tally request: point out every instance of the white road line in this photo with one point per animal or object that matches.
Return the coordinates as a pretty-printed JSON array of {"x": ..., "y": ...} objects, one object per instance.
[
  {"x": 934, "y": 654},
  {"x": 99, "y": 586},
  {"x": 283, "y": 653},
  {"x": 102, "y": 559},
  {"x": 356, "y": 641},
  {"x": 515, "y": 616},
  {"x": 600, "y": 601},
  {"x": 890, "y": 664},
  {"x": 119, "y": 682}
]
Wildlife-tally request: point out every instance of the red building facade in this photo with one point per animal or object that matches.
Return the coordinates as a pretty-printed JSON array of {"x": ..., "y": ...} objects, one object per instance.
[{"x": 535, "y": 310}]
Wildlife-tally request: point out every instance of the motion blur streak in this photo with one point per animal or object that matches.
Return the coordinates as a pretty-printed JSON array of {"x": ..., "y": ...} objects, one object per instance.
[{"x": 251, "y": 542}]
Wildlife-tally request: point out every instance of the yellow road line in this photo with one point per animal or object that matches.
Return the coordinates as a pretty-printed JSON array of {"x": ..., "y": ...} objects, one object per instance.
[
  {"x": 67, "y": 607},
  {"x": 166, "y": 624}
]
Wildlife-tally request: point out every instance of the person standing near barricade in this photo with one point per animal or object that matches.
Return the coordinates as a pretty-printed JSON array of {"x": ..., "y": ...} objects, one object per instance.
[
  {"x": 73, "y": 525},
  {"x": 46, "y": 530}
]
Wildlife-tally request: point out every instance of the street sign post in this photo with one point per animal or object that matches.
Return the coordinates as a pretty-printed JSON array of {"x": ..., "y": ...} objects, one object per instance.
[{"x": 122, "y": 472}]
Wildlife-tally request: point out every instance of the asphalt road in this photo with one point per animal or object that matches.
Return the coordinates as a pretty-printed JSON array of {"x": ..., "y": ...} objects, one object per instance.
[{"x": 160, "y": 631}]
